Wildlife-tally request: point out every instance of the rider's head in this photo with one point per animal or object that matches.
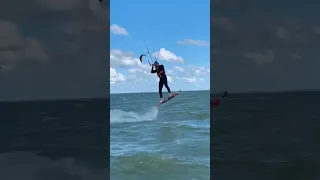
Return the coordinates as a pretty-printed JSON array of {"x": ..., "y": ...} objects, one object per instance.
[{"x": 156, "y": 64}]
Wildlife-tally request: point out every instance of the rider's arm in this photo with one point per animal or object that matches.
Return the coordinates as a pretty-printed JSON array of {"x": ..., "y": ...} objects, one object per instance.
[{"x": 153, "y": 70}]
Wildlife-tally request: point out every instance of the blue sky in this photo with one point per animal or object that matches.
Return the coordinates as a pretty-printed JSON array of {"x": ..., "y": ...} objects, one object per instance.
[{"x": 176, "y": 32}]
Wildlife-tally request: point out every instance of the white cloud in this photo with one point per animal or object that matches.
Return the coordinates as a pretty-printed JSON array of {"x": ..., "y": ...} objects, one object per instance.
[
  {"x": 169, "y": 78},
  {"x": 200, "y": 70},
  {"x": 14, "y": 47},
  {"x": 135, "y": 73},
  {"x": 115, "y": 76},
  {"x": 190, "y": 80},
  {"x": 197, "y": 71},
  {"x": 118, "y": 30},
  {"x": 120, "y": 59},
  {"x": 118, "y": 52},
  {"x": 139, "y": 71},
  {"x": 316, "y": 29},
  {"x": 169, "y": 56},
  {"x": 190, "y": 73},
  {"x": 169, "y": 72},
  {"x": 34, "y": 50},
  {"x": 281, "y": 32},
  {"x": 260, "y": 58},
  {"x": 178, "y": 68},
  {"x": 193, "y": 42},
  {"x": 224, "y": 23},
  {"x": 134, "y": 70}
]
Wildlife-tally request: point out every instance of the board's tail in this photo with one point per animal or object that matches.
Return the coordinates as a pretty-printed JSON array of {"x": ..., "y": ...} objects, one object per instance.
[{"x": 169, "y": 98}]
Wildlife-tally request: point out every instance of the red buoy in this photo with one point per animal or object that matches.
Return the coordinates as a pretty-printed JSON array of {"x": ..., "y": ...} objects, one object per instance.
[{"x": 215, "y": 103}]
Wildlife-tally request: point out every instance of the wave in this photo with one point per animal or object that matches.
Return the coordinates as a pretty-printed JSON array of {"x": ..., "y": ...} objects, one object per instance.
[
  {"x": 119, "y": 116},
  {"x": 27, "y": 165},
  {"x": 152, "y": 166}
]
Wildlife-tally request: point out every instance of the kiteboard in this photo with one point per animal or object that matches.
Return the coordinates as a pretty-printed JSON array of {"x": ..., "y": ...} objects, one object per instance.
[{"x": 169, "y": 98}]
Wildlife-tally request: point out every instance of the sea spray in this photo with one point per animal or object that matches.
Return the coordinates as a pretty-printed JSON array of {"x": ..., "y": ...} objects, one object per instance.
[{"x": 120, "y": 116}]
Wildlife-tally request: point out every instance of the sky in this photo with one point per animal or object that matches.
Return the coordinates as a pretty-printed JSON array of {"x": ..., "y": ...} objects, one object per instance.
[
  {"x": 60, "y": 49},
  {"x": 264, "y": 45},
  {"x": 54, "y": 49},
  {"x": 177, "y": 33}
]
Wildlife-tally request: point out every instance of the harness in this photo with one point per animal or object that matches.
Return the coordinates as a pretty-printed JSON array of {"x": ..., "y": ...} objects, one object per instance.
[{"x": 160, "y": 74}]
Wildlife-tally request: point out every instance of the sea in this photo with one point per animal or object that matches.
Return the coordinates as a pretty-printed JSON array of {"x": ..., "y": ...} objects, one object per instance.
[
  {"x": 266, "y": 136},
  {"x": 54, "y": 140},
  {"x": 169, "y": 142}
]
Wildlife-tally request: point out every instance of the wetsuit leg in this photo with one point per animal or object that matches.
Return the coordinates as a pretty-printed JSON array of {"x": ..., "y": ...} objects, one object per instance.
[
  {"x": 160, "y": 87},
  {"x": 165, "y": 82}
]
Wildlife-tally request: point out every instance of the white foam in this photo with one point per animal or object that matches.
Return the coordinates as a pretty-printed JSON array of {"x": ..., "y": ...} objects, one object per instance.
[{"x": 119, "y": 116}]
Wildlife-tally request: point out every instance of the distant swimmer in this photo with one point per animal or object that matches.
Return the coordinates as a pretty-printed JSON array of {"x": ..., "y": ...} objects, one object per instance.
[{"x": 159, "y": 69}]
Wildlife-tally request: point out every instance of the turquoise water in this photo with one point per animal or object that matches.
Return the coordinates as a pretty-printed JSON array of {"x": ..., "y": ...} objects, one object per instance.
[{"x": 167, "y": 142}]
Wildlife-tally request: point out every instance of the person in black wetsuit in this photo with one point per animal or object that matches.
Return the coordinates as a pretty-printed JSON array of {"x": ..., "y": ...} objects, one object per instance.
[
  {"x": 225, "y": 94},
  {"x": 159, "y": 69}
]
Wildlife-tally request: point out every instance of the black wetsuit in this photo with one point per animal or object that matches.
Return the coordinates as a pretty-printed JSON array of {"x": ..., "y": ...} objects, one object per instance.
[{"x": 163, "y": 78}]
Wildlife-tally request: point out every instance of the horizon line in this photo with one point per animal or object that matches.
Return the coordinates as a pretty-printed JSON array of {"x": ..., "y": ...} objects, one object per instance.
[
  {"x": 108, "y": 97},
  {"x": 157, "y": 91}
]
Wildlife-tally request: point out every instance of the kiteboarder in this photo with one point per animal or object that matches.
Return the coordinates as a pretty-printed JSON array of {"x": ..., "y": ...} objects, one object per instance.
[
  {"x": 159, "y": 69},
  {"x": 225, "y": 94},
  {"x": 216, "y": 103}
]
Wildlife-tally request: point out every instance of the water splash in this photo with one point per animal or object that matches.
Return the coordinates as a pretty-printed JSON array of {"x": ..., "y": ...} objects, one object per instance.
[{"x": 119, "y": 116}]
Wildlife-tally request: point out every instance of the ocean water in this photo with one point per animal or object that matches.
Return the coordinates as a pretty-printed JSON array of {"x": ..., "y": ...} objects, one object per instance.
[
  {"x": 171, "y": 142},
  {"x": 253, "y": 136},
  {"x": 266, "y": 136},
  {"x": 54, "y": 140}
]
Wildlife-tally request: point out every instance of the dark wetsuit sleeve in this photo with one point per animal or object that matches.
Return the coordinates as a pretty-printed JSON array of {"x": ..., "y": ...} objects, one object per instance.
[
  {"x": 153, "y": 70},
  {"x": 161, "y": 67}
]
